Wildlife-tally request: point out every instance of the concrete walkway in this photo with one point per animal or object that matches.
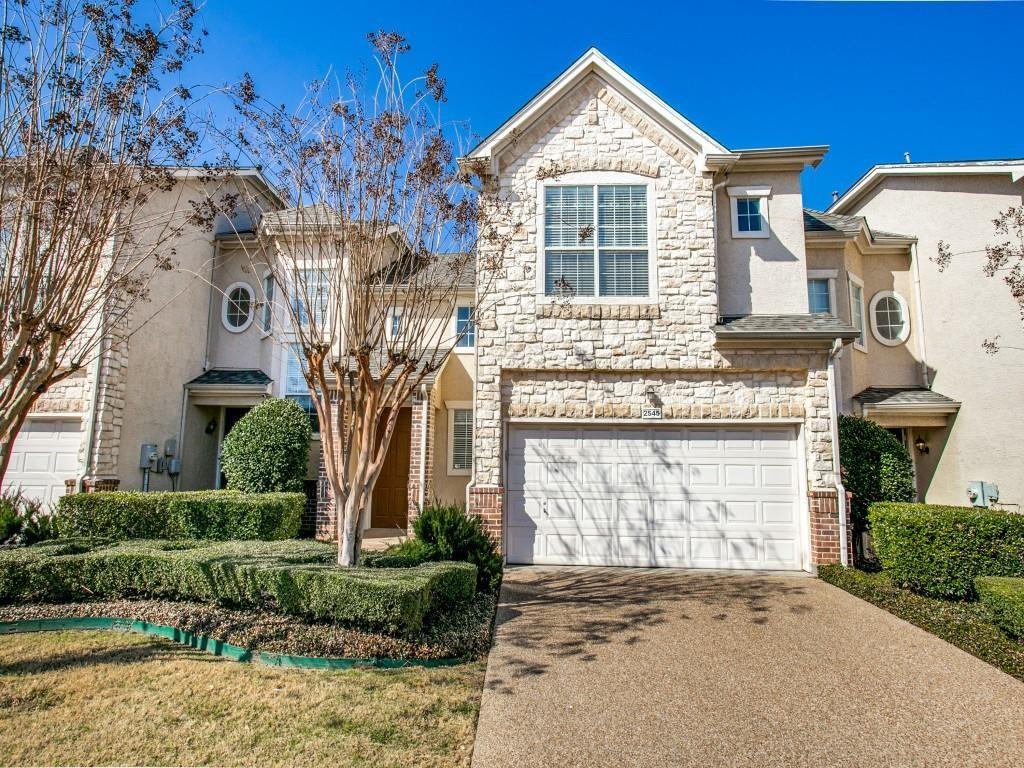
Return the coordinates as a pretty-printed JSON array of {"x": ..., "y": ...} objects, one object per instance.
[{"x": 622, "y": 667}]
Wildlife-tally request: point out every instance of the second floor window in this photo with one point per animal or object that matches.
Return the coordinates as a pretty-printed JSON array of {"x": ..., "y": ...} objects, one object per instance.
[
  {"x": 396, "y": 322},
  {"x": 464, "y": 327},
  {"x": 857, "y": 313},
  {"x": 596, "y": 240},
  {"x": 819, "y": 295},
  {"x": 296, "y": 388},
  {"x": 309, "y": 295},
  {"x": 268, "y": 303}
]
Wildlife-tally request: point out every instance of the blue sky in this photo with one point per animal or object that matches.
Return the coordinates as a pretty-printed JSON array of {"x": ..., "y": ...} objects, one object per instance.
[{"x": 940, "y": 80}]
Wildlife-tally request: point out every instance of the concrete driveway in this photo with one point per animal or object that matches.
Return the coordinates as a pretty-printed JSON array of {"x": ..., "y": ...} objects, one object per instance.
[{"x": 622, "y": 667}]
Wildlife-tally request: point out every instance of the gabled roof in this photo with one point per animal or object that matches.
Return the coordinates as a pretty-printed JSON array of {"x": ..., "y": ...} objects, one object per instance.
[
  {"x": 818, "y": 224},
  {"x": 595, "y": 62},
  {"x": 1012, "y": 167}
]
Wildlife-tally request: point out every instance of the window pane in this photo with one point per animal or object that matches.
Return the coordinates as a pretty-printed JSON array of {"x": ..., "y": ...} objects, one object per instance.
[
  {"x": 239, "y": 306},
  {"x": 462, "y": 438},
  {"x": 569, "y": 273},
  {"x": 889, "y": 321},
  {"x": 819, "y": 298},
  {"x": 268, "y": 306},
  {"x": 623, "y": 273},
  {"x": 310, "y": 295},
  {"x": 396, "y": 322},
  {"x": 568, "y": 216},
  {"x": 295, "y": 387},
  {"x": 857, "y": 311},
  {"x": 748, "y": 214},
  {"x": 622, "y": 216},
  {"x": 464, "y": 325}
]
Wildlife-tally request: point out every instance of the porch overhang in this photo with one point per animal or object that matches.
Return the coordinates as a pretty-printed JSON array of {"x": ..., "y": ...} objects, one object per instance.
[
  {"x": 906, "y": 406},
  {"x": 807, "y": 330},
  {"x": 229, "y": 387}
]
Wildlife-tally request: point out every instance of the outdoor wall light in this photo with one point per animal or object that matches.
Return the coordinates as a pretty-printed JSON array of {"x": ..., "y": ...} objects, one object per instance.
[
  {"x": 921, "y": 445},
  {"x": 211, "y": 427}
]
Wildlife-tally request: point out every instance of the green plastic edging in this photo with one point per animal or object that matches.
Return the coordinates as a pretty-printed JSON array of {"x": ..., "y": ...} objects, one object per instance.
[{"x": 213, "y": 645}]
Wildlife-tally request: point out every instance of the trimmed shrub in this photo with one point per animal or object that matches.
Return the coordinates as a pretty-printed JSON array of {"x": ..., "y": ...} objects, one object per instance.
[
  {"x": 1004, "y": 599},
  {"x": 409, "y": 553},
  {"x": 267, "y": 450},
  {"x": 218, "y": 515},
  {"x": 291, "y": 577},
  {"x": 454, "y": 535},
  {"x": 23, "y": 520},
  {"x": 939, "y": 551},
  {"x": 875, "y": 466}
]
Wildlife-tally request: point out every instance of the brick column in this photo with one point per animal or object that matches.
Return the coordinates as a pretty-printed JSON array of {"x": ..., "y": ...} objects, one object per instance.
[
  {"x": 323, "y": 523},
  {"x": 423, "y": 419},
  {"x": 488, "y": 503},
  {"x": 824, "y": 509},
  {"x": 92, "y": 484}
]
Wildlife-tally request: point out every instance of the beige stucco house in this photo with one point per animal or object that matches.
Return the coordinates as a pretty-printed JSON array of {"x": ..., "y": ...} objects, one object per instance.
[{"x": 656, "y": 374}]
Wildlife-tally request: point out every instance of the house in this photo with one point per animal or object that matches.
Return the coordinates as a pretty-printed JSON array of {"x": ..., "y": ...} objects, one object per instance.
[{"x": 656, "y": 375}]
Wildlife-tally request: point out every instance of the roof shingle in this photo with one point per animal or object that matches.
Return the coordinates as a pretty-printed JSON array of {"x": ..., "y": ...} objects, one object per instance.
[
  {"x": 903, "y": 397},
  {"x": 808, "y": 326},
  {"x": 248, "y": 377}
]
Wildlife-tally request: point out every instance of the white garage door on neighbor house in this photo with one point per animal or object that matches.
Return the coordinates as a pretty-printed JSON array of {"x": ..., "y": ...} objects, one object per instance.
[
  {"x": 660, "y": 496},
  {"x": 45, "y": 455}
]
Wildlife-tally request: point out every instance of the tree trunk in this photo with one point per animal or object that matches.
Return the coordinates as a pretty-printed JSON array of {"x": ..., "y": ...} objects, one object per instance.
[{"x": 350, "y": 529}]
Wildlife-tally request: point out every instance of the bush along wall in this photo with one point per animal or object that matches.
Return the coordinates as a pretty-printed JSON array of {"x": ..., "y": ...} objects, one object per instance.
[
  {"x": 268, "y": 449},
  {"x": 939, "y": 551},
  {"x": 1004, "y": 599},
  {"x": 187, "y": 515},
  {"x": 289, "y": 577}
]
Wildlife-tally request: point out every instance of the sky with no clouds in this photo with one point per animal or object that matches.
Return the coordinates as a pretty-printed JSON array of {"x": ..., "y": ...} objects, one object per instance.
[{"x": 941, "y": 80}]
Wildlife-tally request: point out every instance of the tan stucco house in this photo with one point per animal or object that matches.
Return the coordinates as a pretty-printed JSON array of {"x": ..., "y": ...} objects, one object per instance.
[{"x": 656, "y": 375}]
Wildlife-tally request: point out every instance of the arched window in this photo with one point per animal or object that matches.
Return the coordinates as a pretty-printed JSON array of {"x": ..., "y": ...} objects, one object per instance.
[
  {"x": 237, "y": 308},
  {"x": 890, "y": 318}
]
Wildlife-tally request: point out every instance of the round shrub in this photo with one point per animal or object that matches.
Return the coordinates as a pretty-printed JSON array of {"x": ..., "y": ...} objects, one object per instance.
[
  {"x": 875, "y": 465},
  {"x": 268, "y": 448}
]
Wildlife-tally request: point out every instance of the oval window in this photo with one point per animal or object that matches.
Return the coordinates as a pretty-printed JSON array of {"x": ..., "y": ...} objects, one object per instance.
[
  {"x": 238, "y": 307},
  {"x": 890, "y": 318}
]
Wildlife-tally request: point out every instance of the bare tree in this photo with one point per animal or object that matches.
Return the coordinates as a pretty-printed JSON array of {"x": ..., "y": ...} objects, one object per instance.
[
  {"x": 1005, "y": 259},
  {"x": 379, "y": 238},
  {"x": 90, "y": 136}
]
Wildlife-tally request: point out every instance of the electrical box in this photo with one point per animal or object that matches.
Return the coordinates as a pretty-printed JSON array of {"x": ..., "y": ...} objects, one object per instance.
[
  {"x": 148, "y": 455},
  {"x": 982, "y": 494},
  {"x": 170, "y": 447},
  {"x": 174, "y": 467}
]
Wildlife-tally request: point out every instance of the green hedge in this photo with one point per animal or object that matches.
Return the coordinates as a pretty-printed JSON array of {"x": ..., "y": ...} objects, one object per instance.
[
  {"x": 220, "y": 515},
  {"x": 939, "y": 551},
  {"x": 268, "y": 448},
  {"x": 1004, "y": 599},
  {"x": 291, "y": 577}
]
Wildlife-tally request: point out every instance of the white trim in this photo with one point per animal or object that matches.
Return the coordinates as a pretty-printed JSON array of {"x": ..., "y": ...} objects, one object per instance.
[
  {"x": 646, "y": 422},
  {"x": 600, "y": 178},
  {"x": 227, "y": 299},
  {"x": 459, "y": 405},
  {"x": 595, "y": 62},
  {"x": 266, "y": 328},
  {"x": 904, "y": 308},
  {"x": 759, "y": 192},
  {"x": 852, "y": 280},
  {"x": 822, "y": 274},
  {"x": 1015, "y": 170},
  {"x": 55, "y": 415}
]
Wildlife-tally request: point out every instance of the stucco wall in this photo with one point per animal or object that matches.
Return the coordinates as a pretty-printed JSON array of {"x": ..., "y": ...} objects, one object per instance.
[
  {"x": 764, "y": 275},
  {"x": 455, "y": 384},
  {"x": 962, "y": 308}
]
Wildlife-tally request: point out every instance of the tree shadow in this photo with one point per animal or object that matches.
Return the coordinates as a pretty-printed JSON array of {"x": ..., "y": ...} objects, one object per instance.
[{"x": 153, "y": 650}]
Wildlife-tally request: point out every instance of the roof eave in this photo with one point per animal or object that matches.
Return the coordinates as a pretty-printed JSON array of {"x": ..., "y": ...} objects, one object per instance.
[{"x": 769, "y": 158}]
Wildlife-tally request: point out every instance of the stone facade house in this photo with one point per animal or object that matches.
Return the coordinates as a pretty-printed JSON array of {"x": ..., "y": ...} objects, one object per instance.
[{"x": 655, "y": 375}]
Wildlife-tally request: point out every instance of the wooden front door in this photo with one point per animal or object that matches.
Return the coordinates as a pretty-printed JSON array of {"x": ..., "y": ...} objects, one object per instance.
[{"x": 390, "y": 507}]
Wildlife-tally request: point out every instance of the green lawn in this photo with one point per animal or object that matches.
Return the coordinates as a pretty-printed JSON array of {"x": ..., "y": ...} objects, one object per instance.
[
  {"x": 101, "y": 698},
  {"x": 967, "y": 625}
]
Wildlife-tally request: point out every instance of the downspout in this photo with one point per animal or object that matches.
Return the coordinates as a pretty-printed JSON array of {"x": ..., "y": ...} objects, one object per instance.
[
  {"x": 919, "y": 319},
  {"x": 94, "y": 406},
  {"x": 833, "y": 406},
  {"x": 714, "y": 237}
]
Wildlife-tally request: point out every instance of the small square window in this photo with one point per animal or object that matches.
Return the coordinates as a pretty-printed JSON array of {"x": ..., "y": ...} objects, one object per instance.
[
  {"x": 748, "y": 214},
  {"x": 819, "y": 295}
]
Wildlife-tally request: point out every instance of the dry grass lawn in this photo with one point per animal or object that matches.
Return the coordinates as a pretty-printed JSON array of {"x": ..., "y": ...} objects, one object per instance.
[{"x": 102, "y": 698}]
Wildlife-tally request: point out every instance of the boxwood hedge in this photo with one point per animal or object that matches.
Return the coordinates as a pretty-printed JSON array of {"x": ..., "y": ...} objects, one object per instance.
[
  {"x": 939, "y": 551},
  {"x": 218, "y": 515},
  {"x": 290, "y": 577},
  {"x": 1004, "y": 599}
]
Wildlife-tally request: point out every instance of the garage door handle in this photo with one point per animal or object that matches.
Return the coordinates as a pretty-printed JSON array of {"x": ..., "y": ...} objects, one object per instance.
[{"x": 544, "y": 508}]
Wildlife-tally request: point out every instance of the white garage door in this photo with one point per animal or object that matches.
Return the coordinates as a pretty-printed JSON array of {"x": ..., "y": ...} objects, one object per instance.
[
  {"x": 666, "y": 496},
  {"x": 45, "y": 455}
]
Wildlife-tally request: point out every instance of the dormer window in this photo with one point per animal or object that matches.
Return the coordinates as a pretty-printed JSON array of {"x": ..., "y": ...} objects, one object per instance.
[
  {"x": 749, "y": 211},
  {"x": 597, "y": 241}
]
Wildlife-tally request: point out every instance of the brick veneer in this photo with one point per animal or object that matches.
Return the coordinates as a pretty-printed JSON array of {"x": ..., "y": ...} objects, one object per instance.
[
  {"x": 92, "y": 484},
  {"x": 487, "y": 502},
  {"x": 824, "y": 509},
  {"x": 324, "y": 525},
  {"x": 423, "y": 418}
]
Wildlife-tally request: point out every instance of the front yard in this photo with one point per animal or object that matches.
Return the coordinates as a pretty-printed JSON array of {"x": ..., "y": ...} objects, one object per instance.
[{"x": 102, "y": 698}]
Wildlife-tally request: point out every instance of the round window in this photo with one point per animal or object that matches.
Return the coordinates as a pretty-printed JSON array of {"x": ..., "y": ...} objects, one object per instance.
[
  {"x": 238, "y": 307},
  {"x": 890, "y": 321}
]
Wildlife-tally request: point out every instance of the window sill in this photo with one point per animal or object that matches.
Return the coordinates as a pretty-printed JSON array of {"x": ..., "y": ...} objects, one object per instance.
[
  {"x": 463, "y": 350},
  {"x": 618, "y": 311},
  {"x": 459, "y": 472},
  {"x": 751, "y": 235}
]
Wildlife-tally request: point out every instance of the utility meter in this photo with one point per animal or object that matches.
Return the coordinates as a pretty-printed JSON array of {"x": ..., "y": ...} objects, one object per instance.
[{"x": 148, "y": 456}]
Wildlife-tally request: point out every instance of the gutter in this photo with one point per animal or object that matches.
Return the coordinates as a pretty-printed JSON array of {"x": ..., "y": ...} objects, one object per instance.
[{"x": 833, "y": 406}]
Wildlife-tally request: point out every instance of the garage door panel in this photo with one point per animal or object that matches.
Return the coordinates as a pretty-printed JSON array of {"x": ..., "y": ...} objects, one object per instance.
[
  {"x": 675, "y": 496},
  {"x": 44, "y": 456}
]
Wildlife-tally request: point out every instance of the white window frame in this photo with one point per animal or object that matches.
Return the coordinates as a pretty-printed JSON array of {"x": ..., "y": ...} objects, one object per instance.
[
  {"x": 825, "y": 274},
  {"x": 226, "y": 300},
  {"x": 598, "y": 178},
  {"x": 396, "y": 312},
  {"x": 452, "y": 406},
  {"x": 861, "y": 342},
  {"x": 760, "y": 192},
  {"x": 904, "y": 307},
  {"x": 267, "y": 315},
  {"x": 455, "y": 326},
  {"x": 287, "y": 350}
]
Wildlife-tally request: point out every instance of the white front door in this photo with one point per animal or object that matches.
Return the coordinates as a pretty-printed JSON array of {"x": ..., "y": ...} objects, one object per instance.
[
  {"x": 45, "y": 455},
  {"x": 697, "y": 497}
]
